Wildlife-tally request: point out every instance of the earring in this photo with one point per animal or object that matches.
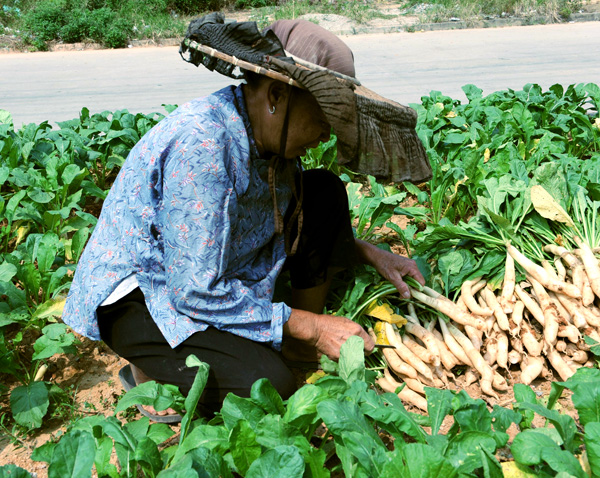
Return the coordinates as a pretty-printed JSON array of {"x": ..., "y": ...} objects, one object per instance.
[{"x": 272, "y": 109}]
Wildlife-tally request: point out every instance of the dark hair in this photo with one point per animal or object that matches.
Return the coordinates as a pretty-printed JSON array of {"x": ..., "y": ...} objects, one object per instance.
[{"x": 252, "y": 79}]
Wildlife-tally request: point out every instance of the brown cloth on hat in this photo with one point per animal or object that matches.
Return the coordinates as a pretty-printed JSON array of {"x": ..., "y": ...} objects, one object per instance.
[
  {"x": 305, "y": 40},
  {"x": 375, "y": 135}
]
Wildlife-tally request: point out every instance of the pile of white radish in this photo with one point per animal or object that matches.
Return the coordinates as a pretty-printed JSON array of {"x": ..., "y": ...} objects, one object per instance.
[{"x": 537, "y": 325}]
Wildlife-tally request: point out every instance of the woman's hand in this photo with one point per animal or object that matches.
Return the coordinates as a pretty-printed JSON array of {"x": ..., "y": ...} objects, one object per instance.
[
  {"x": 391, "y": 266},
  {"x": 307, "y": 336}
]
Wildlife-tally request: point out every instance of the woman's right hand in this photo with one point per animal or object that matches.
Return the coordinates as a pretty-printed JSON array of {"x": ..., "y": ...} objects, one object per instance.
[{"x": 316, "y": 334}]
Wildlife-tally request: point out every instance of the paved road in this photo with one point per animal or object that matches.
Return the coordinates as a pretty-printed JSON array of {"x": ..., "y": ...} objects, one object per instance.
[{"x": 402, "y": 66}]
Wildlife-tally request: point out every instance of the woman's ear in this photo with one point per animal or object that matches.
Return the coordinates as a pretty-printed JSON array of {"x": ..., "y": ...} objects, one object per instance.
[{"x": 277, "y": 93}]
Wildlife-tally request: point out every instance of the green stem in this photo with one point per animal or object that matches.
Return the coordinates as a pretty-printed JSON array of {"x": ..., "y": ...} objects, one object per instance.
[
  {"x": 324, "y": 439},
  {"x": 385, "y": 290}
]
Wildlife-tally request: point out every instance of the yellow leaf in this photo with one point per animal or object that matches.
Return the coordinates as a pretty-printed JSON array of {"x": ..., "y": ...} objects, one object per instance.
[
  {"x": 313, "y": 377},
  {"x": 379, "y": 311},
  {"x": 547, "y": 206},
  {"x": 451, "y": 114},
  {"x": 510, "y": 469},
  {"x": 379, "y": 330},
  {"x": 50, "y": 308},
  {"x": 597, "y": 123},
  {"x": 21, "y": 233},
  {"x": 384, "y": 312},
  {"x": 585, "y": 463},
  {"x": 486, "y": 155}
]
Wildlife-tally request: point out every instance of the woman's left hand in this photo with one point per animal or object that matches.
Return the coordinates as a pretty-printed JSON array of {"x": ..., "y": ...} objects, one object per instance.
[{"x": 391, "y": 266}]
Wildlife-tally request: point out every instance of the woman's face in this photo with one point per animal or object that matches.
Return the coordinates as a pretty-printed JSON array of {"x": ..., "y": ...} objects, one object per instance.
[{"x": 307, "y": 125}]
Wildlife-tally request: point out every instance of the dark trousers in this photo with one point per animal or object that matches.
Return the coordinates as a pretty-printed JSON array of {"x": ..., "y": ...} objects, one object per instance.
[{"x": 236, "y": 363}]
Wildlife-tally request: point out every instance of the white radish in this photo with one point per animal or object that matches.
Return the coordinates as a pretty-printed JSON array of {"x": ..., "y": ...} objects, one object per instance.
[
  {"x": 538, "y": 273},
  {"x": 502, "y": 356},
  {"x": 582, "y": 316},
  {"x": 476, "y": 336},
  {"x": 453, "y": 345},
  {"x": 420, "y": 351},
  {"x": 492, "y": 302},
  {"x": 470, "y": 378},
  {"x": 533, "y": 346},
  {"x": 446, "y": 307},
  {"x": 411, "y": 383},
  {"x": 570, "y": 332},
  {"x": 587, "y": 294},
  {"x": 580, "y": 279},
  {"x": 561, "y": 271},
  {"x": 531, "y": 368},
  {"x": 487, "y": 374},
  {"x": 530, "y": 304},
  {"x": 499, "y": 382},
  {"x": 439, "y": 373},
  {"x": 580, "y": 356},
  {"x": 405, "y": 353},
  {"x": 427, "y": 338},
  {"x": 557, "y": 362},
  {"x": 551, "y": 319},
  {"x": 517, "y": 345},
  {"x": 394, "y": 362},
  {"x": 448, "y": 359},
  {"x": 590, "y": 263},
  {"x": 562, "y": 311},
  {"x": 549, "y": 269},
  {"x": 517, "y": 316},
  {"x": 592, "y": 333},
  {"x": 469, "y": 299},
  {"x": 491, "y": 350},
  {"x": 514, "y": 357},
  {"x": 508, "y": 287},
  {"x": 398, "y": 365},
  {"x": 406, "y": 394}
]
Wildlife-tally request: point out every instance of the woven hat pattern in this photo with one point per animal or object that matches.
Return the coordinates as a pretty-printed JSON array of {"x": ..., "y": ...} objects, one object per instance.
[
  {"x": 241, "y": 40},
  {"x": 375, "y": 135}
]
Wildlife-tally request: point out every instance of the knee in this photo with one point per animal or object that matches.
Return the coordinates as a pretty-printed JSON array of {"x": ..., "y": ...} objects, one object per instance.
[
  {"x": 285, "y": 384},
  {"x": 280, "y": 377}
]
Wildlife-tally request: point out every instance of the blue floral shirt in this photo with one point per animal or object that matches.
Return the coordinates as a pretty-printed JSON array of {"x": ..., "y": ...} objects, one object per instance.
[{"x": 191, "y": 215}]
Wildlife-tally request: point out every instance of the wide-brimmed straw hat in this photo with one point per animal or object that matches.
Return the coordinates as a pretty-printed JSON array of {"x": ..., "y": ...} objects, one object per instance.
[{"x": 375, "y": 135}]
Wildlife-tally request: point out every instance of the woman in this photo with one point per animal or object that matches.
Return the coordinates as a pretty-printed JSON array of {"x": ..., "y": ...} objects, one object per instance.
[{"x": 207, "y": 210}]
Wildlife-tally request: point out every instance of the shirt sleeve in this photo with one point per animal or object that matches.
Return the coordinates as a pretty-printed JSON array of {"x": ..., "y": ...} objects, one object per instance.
[{"x": 199, "y": 208}]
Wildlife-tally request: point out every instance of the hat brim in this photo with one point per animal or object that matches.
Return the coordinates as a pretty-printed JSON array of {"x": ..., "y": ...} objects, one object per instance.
[{"x": 376, "y": 135}]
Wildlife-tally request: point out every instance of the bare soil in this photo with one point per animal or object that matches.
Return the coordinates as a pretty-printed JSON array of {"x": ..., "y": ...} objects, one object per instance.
[{"x": 92, "y": 375}]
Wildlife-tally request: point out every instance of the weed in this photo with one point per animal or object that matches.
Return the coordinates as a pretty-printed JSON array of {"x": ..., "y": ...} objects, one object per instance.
[
  {"x": 356, "y": 11},
  {"x": 63, "y": 405},
  {"x": 471, "y": 10},
  {"x": 16, "y": 434}
]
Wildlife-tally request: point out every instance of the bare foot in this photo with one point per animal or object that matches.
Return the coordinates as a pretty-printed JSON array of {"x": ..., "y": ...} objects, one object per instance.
[{"x": 141, "y": 377}]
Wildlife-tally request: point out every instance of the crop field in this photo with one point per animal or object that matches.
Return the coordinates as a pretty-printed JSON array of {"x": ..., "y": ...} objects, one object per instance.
[{"x": 495, "y": 367}]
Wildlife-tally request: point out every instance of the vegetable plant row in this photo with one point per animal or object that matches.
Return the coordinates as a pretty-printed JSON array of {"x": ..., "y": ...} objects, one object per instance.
[
  {"x": 52, "y": 184},
  {"x": 505, "y": 233},
  {"x": 339, "y": 424}
]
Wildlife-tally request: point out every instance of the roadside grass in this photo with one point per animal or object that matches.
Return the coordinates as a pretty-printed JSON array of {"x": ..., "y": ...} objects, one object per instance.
[
  {"x": 36, "y": 25},
  {"x": 355, "y": 10},
  {"x": 435, "y": 11}
]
